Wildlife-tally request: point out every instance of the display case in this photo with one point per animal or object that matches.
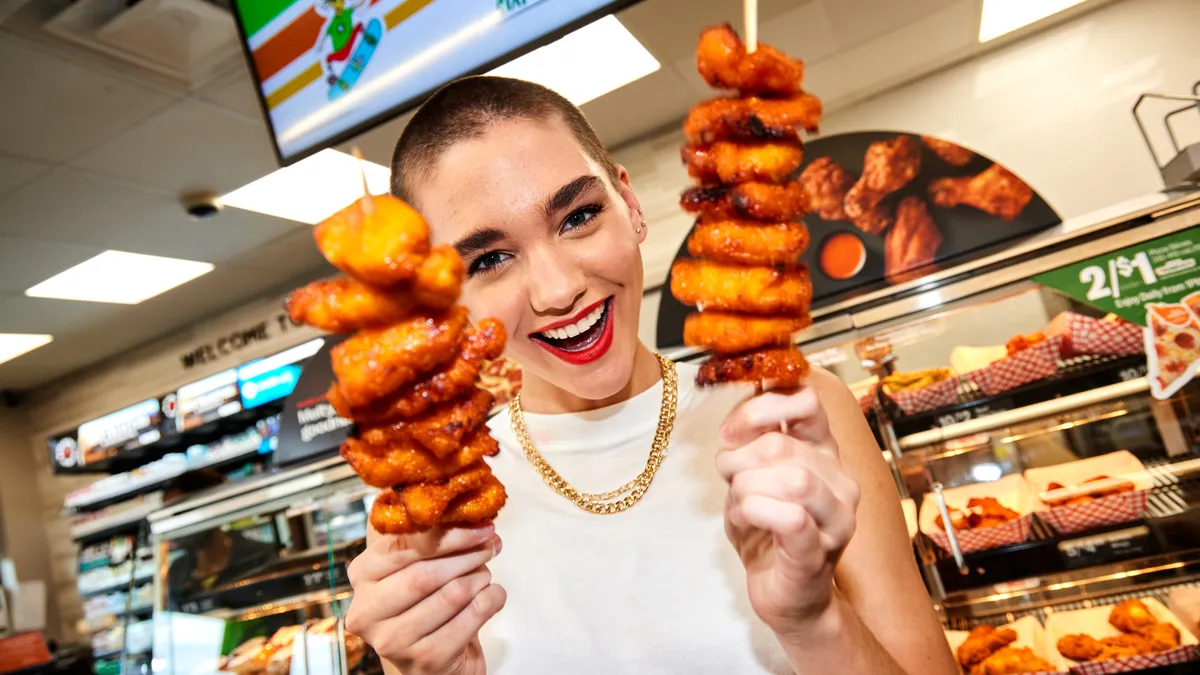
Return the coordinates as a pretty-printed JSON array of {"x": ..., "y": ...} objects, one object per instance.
[
  {"x": 251, "y": 577},
  {"x": 1098, "y": 481}
]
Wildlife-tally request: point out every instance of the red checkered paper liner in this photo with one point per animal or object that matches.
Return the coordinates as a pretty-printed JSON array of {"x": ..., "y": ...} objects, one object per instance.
[
  {"x": 1176, "y": 656},
  {"x": 1105, "y": 511},
  {"x": 937, "y": 395},
  {"x": 1085, "y": 335},
  {"x": 1012, "y": 532},
  {"x": 1035, "y": 363}
]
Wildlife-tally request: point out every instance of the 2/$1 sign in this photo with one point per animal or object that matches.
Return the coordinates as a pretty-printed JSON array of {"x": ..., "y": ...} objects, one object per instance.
[{"x": 231, "y": 343}]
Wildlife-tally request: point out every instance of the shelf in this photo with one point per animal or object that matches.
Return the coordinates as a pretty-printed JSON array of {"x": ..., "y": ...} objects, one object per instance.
[
  {"x": 126, "y": 583},
  {"x": 111, "y": 654},
  {"x": 286, "y": 604},
  {"x": 100, "y": 528}
]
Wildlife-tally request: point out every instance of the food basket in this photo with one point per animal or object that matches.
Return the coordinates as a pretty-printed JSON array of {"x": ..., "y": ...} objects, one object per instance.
[
  {"x": 1030, "y": 634},
  {"x": 1012, "y": 491},
  {"x": 1034, "y": 363},
  {"x": 1110, "y": 510},
  {"x": 1094, "y": 622},
  {"x": 936, "y": 395},
  {"x": 1084, "y": 335}
]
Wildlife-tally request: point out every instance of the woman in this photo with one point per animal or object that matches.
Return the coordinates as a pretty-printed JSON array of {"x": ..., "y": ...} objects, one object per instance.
[{"x": 737, "y": 561}]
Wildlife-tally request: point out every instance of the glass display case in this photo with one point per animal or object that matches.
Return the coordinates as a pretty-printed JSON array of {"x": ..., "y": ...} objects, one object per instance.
[{"x": 251, "y": 577}]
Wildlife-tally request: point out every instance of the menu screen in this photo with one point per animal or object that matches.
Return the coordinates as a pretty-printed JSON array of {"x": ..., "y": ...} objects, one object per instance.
[
  {"x": 207, "y": 400},
  {"x": 326, "y": 69},
  {"x": 126, "y": 429},
  {"x": 274, "y": 377}
]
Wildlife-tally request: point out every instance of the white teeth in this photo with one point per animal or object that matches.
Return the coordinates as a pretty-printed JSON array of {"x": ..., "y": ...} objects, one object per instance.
[{"x": 576, "y": 328}]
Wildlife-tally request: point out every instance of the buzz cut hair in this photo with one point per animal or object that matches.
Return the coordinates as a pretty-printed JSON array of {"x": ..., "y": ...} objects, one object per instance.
[{"x": 466, "y": 108}]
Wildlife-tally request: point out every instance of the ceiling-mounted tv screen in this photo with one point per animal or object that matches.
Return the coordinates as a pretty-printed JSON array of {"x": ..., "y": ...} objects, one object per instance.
[{"x": 328, "y": 70}]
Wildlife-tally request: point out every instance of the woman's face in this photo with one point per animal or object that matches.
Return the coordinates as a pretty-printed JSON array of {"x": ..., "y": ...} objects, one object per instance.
[{"x": 551, "y": 249}]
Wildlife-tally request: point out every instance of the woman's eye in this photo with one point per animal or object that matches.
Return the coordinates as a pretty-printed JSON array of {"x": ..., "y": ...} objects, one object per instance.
[
  {"x": 488, "y": 262},
  {"x": 580, "y": 217}
]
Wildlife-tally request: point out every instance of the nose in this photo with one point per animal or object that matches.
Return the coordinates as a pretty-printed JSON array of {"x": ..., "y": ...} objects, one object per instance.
[{"x": 556, "y": 281}]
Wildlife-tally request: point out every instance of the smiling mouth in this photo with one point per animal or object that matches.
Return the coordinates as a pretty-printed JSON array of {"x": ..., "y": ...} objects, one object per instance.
[{"x": 579, "y": 336}]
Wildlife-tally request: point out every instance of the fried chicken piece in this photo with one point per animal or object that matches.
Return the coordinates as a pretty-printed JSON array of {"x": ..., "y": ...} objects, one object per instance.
[
  {"x": 440, "y": 278},
  {"x": 758, "y": 201},
  {"x": 427, "y": 501},
  {"x": 732, "y": 288},
  {"x": 729, "y": 333},
  {"x": 780, "y": 367},
  {"x": 724, "y": 63},
  {"x": 981, "y": 642},
  {"x": 827, "y": 183},
  {"x": 1130, "y": 616},
  {"x": 740, "y": 242},
  {"x": 1013, "y": 661},
  {"x": 1079, "y": 647},
  {"x": 379, "y": 240},
  {"x": 441, "y": 430},
  {"x": 912, "y": 243},
  {"x": 887, "y": 167},
  {"x": 1124, "y": 646},
  {"x": 478, "y": 505},
  {"x": 404, "y": 462},
  {"x": 483, "y": 343},
  {"x": 343, "y": 305},
  {"x": 995, "y": 190},
  {"x": 1162, "y": 636},
  {"x": 373, "y": 363},
  {"x": 752, "y": 119},
  {"x": 952, "y": 154},
  {"x": 388, "y": 514},
  {"x": 728, "y": 162}
]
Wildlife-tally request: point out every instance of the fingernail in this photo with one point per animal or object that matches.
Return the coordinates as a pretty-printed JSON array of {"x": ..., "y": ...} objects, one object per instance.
[
  {"x": 499, "y": 545},
  {"x": 485, "y": 532}
]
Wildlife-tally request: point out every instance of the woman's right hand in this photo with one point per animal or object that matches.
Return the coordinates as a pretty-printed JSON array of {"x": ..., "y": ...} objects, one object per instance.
[{"x": 420, "y": 599}]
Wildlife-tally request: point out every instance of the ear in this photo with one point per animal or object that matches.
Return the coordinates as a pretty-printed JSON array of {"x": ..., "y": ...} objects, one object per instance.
[{"x": 631, "y": 202}]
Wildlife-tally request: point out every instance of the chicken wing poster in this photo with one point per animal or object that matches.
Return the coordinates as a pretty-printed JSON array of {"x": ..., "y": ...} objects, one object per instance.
[{"x": 890, "y": 207}]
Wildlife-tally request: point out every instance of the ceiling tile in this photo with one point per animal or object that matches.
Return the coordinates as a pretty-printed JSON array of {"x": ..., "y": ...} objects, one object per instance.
[
  {"x": 54, "y": 109},
  {"x": 235, "y": 91},
  {"x": 190, "y": 145},
  {"x": 108, "y": 214},
  {"x": 294, "y": 253},
  {"x": 639, "y": 107},
  {"x": 26, "y": 262},
  {"x": 22, "y": 314},
  {"x": 804, "y": 32},
  {"x": 857, "y": 20},
  {"x": 670, "y": 28},
  {"x": 14, "y": 171}
]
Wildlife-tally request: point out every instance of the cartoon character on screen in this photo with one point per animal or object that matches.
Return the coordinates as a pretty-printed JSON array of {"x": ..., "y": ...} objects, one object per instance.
[{"x": 345, "y": 44}]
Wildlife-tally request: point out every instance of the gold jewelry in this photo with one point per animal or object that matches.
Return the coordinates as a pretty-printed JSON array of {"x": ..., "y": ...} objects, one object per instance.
[{"x": 629, "y": 493}]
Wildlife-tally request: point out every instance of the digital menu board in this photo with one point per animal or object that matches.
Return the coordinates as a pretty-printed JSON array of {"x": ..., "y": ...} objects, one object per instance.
[
  {"x": 329, "y": 69},
  {"x": 123, "y": 430},
  {"x": 206, "y": 400},
  {"x": 274, "y": 377}
]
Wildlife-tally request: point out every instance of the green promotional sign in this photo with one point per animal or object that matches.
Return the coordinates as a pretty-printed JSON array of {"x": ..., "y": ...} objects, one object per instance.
[{"x": 1124, "y": 281}]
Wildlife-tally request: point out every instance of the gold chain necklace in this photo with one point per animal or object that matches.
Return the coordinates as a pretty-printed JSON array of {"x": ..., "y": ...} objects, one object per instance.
[{"x": 629, "y": 493}]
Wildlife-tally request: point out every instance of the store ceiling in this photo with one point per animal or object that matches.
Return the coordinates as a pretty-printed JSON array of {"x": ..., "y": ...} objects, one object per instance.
[{"x": 94, "y": 153}]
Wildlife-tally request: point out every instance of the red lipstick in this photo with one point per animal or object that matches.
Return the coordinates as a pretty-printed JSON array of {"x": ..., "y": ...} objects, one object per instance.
[{"x": 595, "y": 345}]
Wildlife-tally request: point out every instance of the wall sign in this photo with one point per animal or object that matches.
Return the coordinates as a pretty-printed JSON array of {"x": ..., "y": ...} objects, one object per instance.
[
  {"x": 309, "y": 426},
  {"x": 236, "y": 340}
]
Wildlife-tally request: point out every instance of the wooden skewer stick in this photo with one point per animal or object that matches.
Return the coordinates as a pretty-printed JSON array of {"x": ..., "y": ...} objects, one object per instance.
[
  {"x": 750, "y": 18},
  {"x": 367, "y": 205}
]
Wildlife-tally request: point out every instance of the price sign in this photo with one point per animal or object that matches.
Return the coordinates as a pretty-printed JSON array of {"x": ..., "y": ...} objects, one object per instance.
[
  {"x": 972, "y": 413},
  {"x": 1105, "y": 548},
  {"x": 1162, "y": 270}
]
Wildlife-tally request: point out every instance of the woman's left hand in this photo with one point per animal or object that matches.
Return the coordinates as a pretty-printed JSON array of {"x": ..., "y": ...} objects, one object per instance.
[{"x": 791, "y": 504}]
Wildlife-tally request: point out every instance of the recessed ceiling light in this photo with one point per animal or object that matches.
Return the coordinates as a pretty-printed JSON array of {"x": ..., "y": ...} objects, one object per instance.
[
  {"x": 310, "y": 190},
  {"x": 119, "y": 277},
  {"x": 1004, "y": 16},
  {"x": 13, "y": 345},
  {"x": 600, "y": 57}
]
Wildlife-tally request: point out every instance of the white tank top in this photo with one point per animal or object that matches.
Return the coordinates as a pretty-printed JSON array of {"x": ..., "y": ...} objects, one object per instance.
[{"x": 656, "y": 589}]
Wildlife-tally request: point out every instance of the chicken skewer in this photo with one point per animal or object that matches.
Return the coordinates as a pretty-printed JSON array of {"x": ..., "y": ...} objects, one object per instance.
[{"x": 408, "y": 372}]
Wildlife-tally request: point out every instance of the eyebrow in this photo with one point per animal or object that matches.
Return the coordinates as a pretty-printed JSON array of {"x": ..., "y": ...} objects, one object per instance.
[
  {"x": 567, "y": 194},
  {"x": 477, "y": 241}
]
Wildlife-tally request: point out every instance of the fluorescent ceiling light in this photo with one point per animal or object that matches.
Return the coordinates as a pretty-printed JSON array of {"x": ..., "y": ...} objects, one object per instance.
[
  {"x": 587, "y": 64},
  {"x": 1005, "y": 16},
  {"x": 13, "y": 345},
  {"x": 119, "y": 277},
  {"x": 312, "y": 189}
]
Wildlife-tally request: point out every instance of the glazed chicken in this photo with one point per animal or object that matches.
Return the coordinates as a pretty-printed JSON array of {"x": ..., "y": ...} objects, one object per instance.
[
  {"x": 911, "y": 245},
  {"x": 887, "y": 167},
  {"x": 729, "y": 162},
  {"x": 1141, "y": 633},
  {"x": 1013, "y": 661},
  {"x": 827, "y": 183},
  {"x": 407, "y": 377},
  {"x": 754, "y": 201},
  {"x": 752, "y": 119},
  {"x": 733, "y": 288},
  {"x": 995, "y": 190},
  {"x": 740, "y": 242},
  {"x": 952, "y": 154},
  {"x": 779, "y": 367},
  {"x": 981, "y": 642},
  {"x": 733, "y": 333},
  {"x": 724, "y": 63}
]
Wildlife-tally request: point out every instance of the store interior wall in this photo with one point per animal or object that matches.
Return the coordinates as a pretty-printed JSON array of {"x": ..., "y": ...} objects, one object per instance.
[{"x": 1054, "y": 108}]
